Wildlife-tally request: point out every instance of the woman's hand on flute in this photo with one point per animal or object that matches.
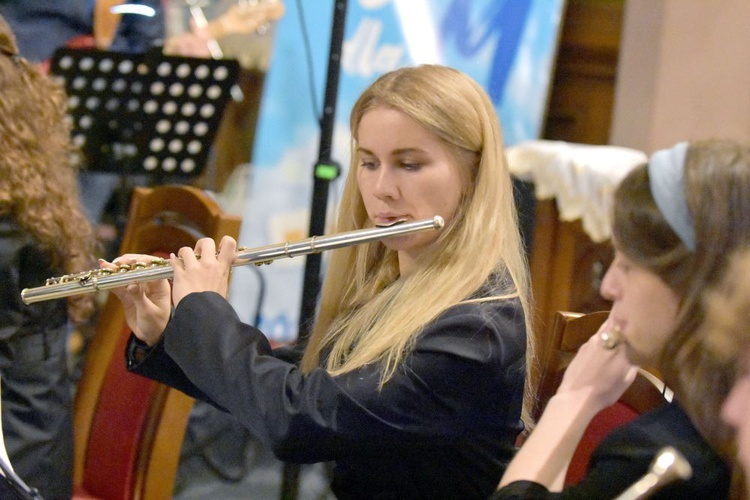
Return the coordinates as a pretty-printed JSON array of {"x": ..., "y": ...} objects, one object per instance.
[
  {"x": 600, "y": 369},
  {"x": 147, "y": 305},
  {"x": 595, "y": 379},
  {"x": 210, "y": 273}
]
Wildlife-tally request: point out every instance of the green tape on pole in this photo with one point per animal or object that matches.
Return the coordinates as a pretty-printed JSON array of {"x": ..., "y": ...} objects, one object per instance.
[{"x": 326, "y": 172}]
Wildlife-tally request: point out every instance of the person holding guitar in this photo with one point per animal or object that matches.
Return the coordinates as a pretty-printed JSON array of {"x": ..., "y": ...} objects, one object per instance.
[
  {"x": 236, "y": 29},
  {"x": 240, "y": 18}
]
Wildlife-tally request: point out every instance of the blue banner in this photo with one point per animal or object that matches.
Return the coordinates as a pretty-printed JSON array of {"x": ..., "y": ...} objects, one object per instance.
[{"x": 508, "y": 46}]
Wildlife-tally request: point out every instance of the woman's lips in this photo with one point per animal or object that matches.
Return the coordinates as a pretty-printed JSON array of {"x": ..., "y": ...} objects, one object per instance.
[{"x": 386, "y": 221}]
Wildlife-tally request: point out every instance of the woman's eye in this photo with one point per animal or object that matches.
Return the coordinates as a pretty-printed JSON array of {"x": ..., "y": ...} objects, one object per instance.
[
  {"x": 621, "y": 264},
  {"x": 411, "y": 166},
  {"x": 368, "y": 164}
]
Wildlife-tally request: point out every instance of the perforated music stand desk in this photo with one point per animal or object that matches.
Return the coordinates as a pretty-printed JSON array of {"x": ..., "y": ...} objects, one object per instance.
[{"x": 144, "y": 114}]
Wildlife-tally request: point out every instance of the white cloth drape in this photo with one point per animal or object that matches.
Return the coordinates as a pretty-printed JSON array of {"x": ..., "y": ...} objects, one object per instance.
[{"x": 582, "y": 178}]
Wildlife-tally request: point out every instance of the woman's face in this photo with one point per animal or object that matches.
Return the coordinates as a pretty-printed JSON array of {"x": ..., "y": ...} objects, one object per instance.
[
  {"x": 735, "y": 412},
  {"x": 644, "y": 308},
  {"x": 406, "y": 173}
]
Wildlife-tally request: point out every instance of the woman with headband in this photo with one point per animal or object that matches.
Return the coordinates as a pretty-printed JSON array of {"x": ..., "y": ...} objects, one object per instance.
[{"x": 675, "y": 222}]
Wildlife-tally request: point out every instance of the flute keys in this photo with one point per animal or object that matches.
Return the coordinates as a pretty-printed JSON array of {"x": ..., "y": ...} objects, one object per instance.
[{"x": 93, "y": 281}]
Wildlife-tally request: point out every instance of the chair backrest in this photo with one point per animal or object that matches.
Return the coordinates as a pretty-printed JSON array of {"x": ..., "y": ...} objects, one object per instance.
[
  {"x": 556, "y": 348},
  {"x": 568, "y": 333},
  {"x": 129, "y": 430}
]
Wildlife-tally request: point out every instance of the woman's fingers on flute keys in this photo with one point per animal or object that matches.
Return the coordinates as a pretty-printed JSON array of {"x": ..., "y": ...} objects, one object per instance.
[
  {"x": 127, "y": 261},
  {"x": 227, "y": 250}
]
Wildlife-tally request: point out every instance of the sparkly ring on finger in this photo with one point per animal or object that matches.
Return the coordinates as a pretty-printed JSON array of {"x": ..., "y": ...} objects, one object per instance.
[{"x": 611, "y": 339}]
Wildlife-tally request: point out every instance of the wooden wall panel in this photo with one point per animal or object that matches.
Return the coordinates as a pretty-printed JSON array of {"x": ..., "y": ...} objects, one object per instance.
[{"x": 566, "y": 266}]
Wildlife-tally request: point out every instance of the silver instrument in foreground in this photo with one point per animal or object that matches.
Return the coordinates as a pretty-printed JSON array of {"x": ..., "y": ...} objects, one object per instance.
[
  {"x": 669, "y": 465},
  {"x": 106, "y": 279}
]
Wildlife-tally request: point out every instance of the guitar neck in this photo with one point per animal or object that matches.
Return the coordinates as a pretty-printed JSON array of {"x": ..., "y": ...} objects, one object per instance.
[{"x": 245, "y": 19}]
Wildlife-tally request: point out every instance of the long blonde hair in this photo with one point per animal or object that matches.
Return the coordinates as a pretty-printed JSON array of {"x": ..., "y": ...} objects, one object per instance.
[
  {"x": 38, "y": 184},
  {"x": 368, "y": 314}
]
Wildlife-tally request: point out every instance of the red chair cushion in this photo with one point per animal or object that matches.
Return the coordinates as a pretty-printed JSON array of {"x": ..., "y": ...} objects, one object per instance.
[
  {"x": 121, "y": 415},
  {"x": 600, "y": 426}
]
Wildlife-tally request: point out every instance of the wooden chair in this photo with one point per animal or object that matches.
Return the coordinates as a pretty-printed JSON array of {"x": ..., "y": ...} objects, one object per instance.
[
  {"x": 568, "y": 333},
  {"x": 129, "y": 430}
]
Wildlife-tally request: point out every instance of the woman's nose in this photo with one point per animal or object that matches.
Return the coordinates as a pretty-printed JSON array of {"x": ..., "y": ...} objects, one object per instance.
[
  {"x": 386, "y": 185},
  {"x": 608, "y": 288}
]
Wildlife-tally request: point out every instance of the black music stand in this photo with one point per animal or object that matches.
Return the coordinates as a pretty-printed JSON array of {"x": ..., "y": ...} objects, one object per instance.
[{"x": 144, "y": 114}]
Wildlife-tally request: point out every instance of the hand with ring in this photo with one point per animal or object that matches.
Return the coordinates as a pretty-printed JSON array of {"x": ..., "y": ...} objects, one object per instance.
[{"x": 599, "y": 369}]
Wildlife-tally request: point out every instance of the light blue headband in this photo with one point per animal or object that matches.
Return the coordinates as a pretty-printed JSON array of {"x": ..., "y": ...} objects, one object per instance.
[{"x": 666, "y": 169}]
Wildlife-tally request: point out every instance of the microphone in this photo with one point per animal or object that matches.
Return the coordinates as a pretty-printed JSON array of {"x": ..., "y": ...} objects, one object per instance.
[{"x": 668, "y": 466}]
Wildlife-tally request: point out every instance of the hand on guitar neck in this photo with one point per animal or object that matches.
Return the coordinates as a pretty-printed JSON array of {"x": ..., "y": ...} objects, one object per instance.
[{"x": 240, "y": 18}]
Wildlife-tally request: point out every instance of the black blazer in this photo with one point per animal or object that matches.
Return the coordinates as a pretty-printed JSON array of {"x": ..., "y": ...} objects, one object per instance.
[
  {"x": 443, "y": 427},
  {"x": 626, "y": 454}
]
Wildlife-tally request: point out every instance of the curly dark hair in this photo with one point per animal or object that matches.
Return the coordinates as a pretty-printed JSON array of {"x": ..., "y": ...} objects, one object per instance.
[{"x": 38, "y": 182}]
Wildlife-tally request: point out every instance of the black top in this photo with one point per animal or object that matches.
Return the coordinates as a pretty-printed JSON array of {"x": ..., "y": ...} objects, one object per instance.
[
  {"x": 24, "y": 264},
  {"x": 626, "y": 454},
  {"x": 36, "y": 388},
  {"x": 443, "y": 427}
]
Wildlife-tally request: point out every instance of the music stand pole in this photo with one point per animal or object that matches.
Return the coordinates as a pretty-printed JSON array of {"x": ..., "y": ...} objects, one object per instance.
[{"x": 325, "y": 171}]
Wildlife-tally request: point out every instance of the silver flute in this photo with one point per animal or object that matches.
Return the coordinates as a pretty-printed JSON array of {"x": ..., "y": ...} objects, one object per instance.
[{"x": 106, "y": 279}]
